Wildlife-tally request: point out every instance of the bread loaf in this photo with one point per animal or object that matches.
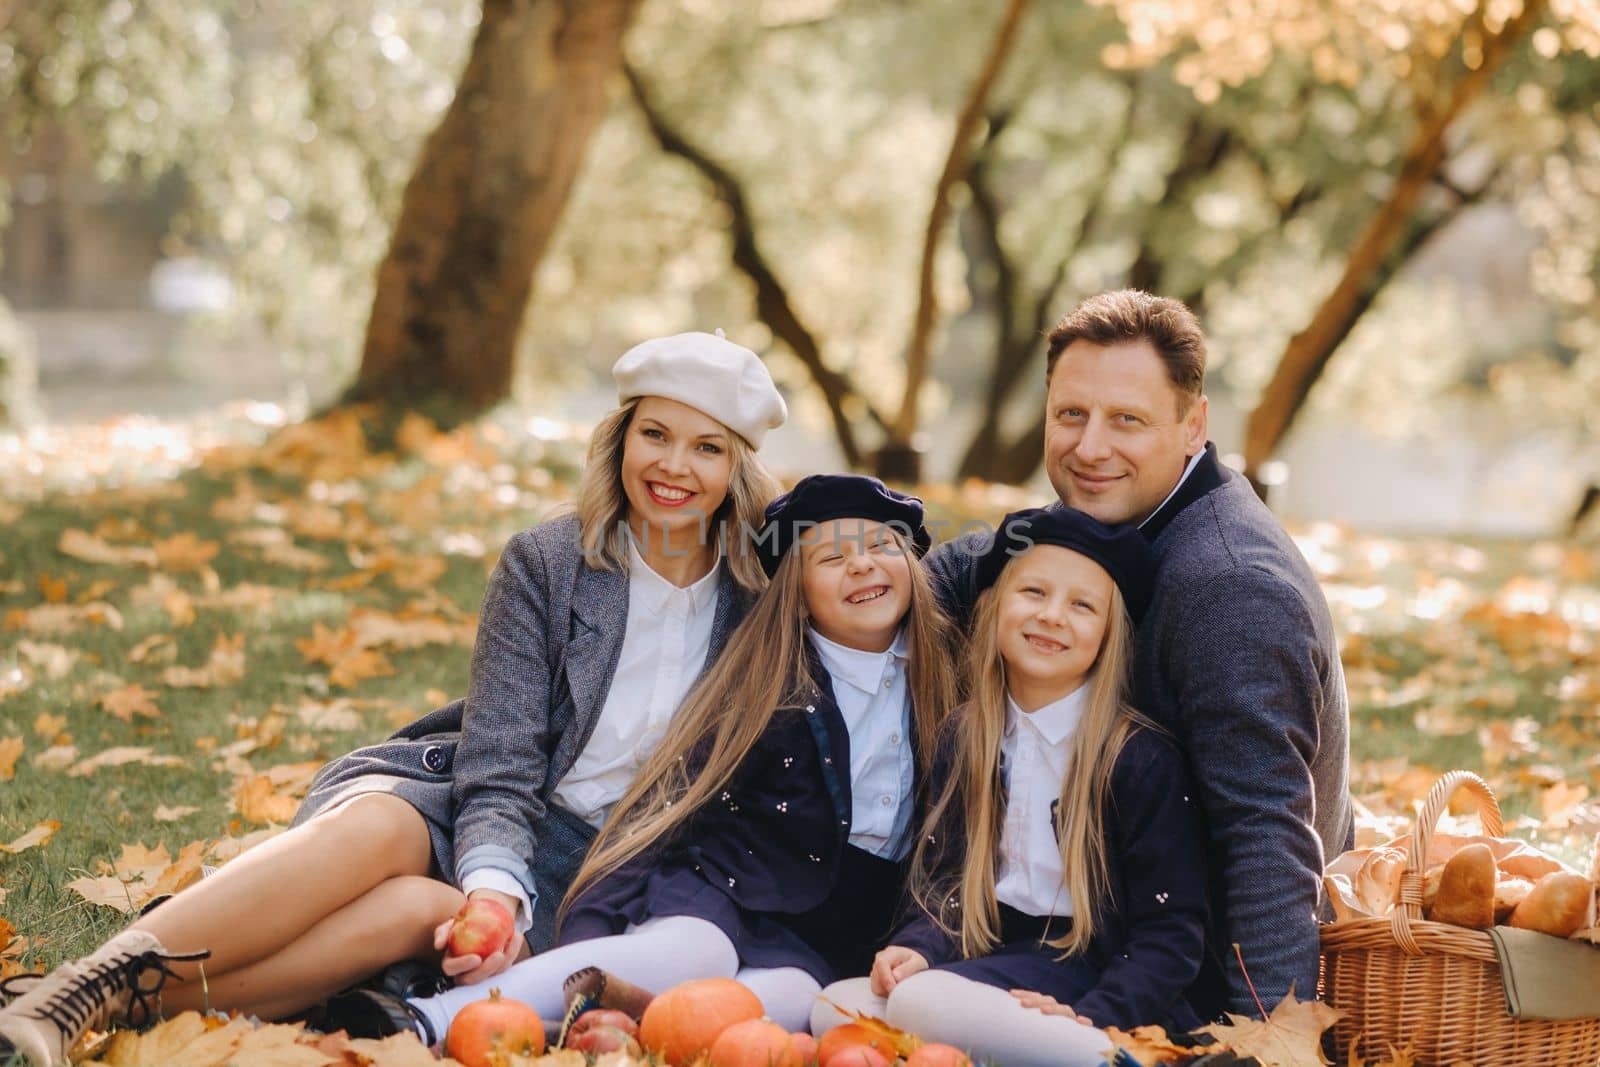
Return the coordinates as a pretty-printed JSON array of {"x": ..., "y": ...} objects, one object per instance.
[
  {"x": 1557, "y": 905},
  {"x": 1466, "y": 889},
  {"x": 1508, "y": 893}
]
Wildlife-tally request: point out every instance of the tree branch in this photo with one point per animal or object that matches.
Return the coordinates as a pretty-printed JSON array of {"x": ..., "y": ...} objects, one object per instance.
[
  {"x": 1308, "y": 351},
  {"x": 955, "y": 168},
  {"x": 773, "y": 306}
]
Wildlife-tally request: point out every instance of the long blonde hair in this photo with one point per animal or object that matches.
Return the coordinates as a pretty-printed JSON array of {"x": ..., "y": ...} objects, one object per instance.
[
  {"x": 975, "y": 787},
  {"x": 602, "y": 506},
  {"x": 763, "y": 668}
]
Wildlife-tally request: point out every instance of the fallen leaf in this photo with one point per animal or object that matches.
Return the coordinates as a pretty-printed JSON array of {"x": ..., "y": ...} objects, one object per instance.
[
  {"x": 1560, "y": 802},
  {"x": 358, "y": 666},
  {"x": 172, "y": 814},
  {"x": 54, "y": 660},
  {"x": 56, "y": 757},
  {"x": 141, "y": 874},
  {"x": 397, "y": 1050},
  {"x": 154, "y": 649},
  {"x": 48, "y": 726},
  {"x": 257, "y": 802},
  {"x": 80, "y": 544},
  {"x": 1148, "y": 1044},
  {"x": 120, "y": 756},
  {"x": 186, "y": 552},
  {"x": 54, "y": 590},
  {"x": 63, "y": 618},
  {"x": 158, "y": 1046},
  {"x": 129, "y": 701},
  {"x": 325, "y": 645},
  {"x": 10, "y": 751},
  {"x": 39, "y": 835},
  {"x": 1290, "y": 1037},
  {"x": 225, "y": 666}
]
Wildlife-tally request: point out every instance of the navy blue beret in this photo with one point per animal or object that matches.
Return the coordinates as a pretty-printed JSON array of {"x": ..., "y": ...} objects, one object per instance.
[
  {"x": 1121, "y": 550},
  {"x": 819, "y": 497}
]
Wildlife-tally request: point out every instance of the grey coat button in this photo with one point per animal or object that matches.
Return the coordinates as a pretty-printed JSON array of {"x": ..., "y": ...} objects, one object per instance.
[{"x": 436, "y": 759}]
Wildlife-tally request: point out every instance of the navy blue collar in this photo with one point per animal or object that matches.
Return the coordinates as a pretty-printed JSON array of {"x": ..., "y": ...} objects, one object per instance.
[{"x": 1206, "y": 476}]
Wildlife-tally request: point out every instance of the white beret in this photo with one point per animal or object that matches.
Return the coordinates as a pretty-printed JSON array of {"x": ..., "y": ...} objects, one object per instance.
[{"x": 710, "y": 374}]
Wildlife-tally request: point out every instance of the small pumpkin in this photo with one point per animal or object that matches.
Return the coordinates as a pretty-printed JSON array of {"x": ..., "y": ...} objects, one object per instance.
[
  {"x": 937, "y": 1055},
  {"x": 687, "y": 1019},
  {"x": 808, "y": 1048},
  {"x": 496, "y": 1023},
  {"x": 852, "y": 1036},
  {"x": 861, "y": 1056},
  {"x": 755, "y": 1043}
]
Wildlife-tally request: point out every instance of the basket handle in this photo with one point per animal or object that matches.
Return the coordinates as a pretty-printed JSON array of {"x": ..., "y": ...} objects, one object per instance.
[{"x": 1410, "y": 909}]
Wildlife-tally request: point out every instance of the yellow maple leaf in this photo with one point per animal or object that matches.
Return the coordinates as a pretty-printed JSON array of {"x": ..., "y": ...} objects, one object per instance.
[
  {"x": 357, "y": 666},
  {"x": 10, "y": 751},
  {"x": 185, "y": 552},
  {"x": 39, "y": 835},
  {"x": 1148, "y": 1045},
  {"x": 48, "y": 726},
  {"x": 325, "y": 645},
  {"x": 1559, "y": 802},
  {"x": 129, "y": 701},
  {"x": 158, "y": 1046},
  {"x": 225, "y": 666},
  {"x": 1290, "y": 1037},
  {"x": 397, "y": 1050},
  {"x": 257, "y": 802}
]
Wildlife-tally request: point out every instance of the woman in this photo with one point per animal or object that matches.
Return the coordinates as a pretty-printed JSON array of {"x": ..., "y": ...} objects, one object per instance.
[{"x": 593, "y": 627}]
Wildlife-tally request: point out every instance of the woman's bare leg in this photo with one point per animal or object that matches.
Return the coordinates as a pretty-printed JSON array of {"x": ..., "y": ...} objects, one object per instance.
[
  {"x": 270, "y": 897},
  {"x": 393, "y": 921}
]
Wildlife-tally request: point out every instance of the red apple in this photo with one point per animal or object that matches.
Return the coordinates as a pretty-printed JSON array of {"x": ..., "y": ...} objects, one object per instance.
[
  {"x": 604, "y": 1030},
  {"x": 482, "y": 927}
]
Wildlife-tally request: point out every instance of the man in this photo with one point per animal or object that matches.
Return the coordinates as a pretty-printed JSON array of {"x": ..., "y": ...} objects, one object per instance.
[{"x": 1236, "y": 654}]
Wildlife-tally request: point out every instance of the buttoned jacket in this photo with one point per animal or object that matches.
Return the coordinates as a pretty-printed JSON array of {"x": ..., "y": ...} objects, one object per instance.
[
  {"x": 549, "y": 636},
  {"x": 1152, "y": 926},
  {"x": 772, "y": 838}
]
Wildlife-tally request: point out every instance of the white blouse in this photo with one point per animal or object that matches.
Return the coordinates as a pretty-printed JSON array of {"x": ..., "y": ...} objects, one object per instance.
[
  {"x": 873, "y": 693},
  {"x": 1035, "y": 750},
  {"x": 664, "y": 646}
]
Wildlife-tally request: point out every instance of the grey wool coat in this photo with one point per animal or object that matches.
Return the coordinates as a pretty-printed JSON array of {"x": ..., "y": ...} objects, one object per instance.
[
  {"x": 481, "y": 770},
  {"x": 1237, "y": 657}
]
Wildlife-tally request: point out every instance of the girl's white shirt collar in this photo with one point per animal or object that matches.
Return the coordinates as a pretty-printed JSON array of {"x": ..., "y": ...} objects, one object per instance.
[
  {"x": 864, "y": 670},
  {"x": 1055, "y": 721},
  {"x": 655, "y": 593}
]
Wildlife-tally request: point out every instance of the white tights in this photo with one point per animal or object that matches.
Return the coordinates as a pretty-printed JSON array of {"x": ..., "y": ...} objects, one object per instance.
[
  {"x": 986, "y": 1022},
  {"x": 655, "y": 955}
]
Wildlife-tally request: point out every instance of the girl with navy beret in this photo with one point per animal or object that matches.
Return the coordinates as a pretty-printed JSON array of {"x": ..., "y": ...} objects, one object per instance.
[
  {"x": 1063, "y": 852},
  {"x": 766, "y": 838}
]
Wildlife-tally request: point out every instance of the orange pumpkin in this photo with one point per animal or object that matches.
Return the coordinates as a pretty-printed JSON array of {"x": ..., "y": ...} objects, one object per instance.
[
  {"x": 807, "y": 1045},
  {"x": 851, "y": 1036},
  {"x": 862, "y": 1056},
  {"x": 937, "y": 1055},
  {"x": 496, "y": 1023},
  {"x": 687, "y": 1019},
  {"x": 755, "y": 1043}
]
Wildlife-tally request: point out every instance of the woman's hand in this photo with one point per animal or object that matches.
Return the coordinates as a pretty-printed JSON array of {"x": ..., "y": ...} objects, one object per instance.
[
  {"x": 475, "y": 968},
  {"x": 894, "y": 965},
  {"x": 1049, "y": 1005}
]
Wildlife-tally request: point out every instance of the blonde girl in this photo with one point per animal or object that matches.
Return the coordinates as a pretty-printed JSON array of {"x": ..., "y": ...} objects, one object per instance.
[
  {"x": 1063, "y": 852},
  {"x": 765, "y": 838}
]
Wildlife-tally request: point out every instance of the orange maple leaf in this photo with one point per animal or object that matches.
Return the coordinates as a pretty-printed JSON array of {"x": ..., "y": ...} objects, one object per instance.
[
  {"x": 129, "y": 701},
  {"x": 186, "y": 552},
  {"x": 325, "y": 645},
  {"x": 358, "y": 665},
  {"x": 1290, "y": 1037},
  {"x": 10, "y": 751}
]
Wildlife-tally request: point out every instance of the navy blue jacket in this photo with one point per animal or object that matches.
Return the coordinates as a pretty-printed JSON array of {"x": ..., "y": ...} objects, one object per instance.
[
  {"x": 1152, "y": 934},
  {"x": 772, "y": 839}
]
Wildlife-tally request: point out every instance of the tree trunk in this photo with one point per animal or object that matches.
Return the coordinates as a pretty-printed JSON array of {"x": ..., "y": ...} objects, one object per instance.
[
  {"x": 484, "y": 201},
  {"x": 1308, "y": 352}
]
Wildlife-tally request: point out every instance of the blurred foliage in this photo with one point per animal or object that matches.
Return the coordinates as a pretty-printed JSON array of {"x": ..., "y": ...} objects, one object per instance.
[{"x": 1224, "y": 152}]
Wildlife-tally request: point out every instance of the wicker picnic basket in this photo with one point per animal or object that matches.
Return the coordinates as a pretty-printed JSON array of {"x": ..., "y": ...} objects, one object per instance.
[{"x": 1402, "y": 982}]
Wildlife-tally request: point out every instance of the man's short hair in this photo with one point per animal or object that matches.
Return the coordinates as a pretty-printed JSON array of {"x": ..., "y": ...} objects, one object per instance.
[{"x": 1128, "y": 315}]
